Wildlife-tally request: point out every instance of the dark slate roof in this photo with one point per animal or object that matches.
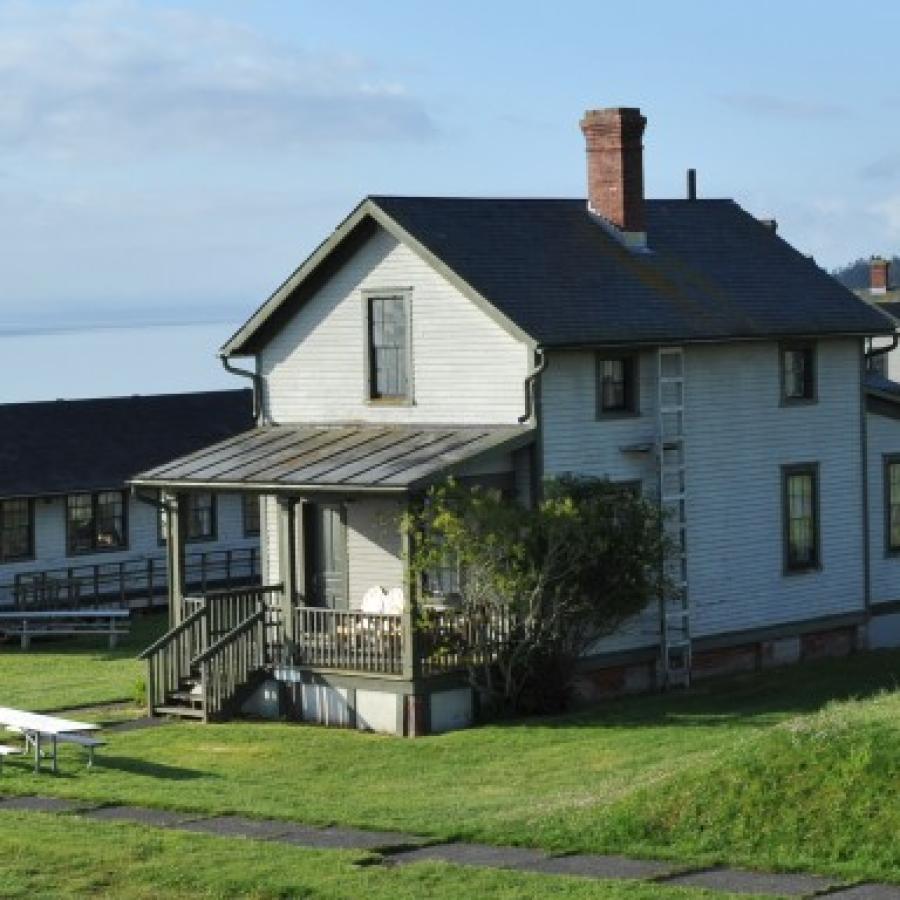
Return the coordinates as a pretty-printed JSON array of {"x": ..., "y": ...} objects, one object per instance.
[
  {"x": 891, "y": 307},
  {"x": 66, "y": 446},
  {"x": 714, "y": 271},
  {"x": 346, "y": 457}
]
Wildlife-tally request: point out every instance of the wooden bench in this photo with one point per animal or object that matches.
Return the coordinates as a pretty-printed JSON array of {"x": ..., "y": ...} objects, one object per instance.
[
  {"x": 89, "y": 743},
  {"x": 6, "y": 750},
  {"x": 68, "y": 622}
]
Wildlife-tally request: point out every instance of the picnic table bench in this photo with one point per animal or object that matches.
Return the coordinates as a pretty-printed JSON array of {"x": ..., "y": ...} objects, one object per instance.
[
  {"x": 28, "y": 624},
  {"x": 36, "y": 727}
]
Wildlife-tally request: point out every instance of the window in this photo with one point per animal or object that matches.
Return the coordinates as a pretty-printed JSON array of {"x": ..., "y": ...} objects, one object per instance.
[
  {"x": 798, "y": 373},
  {"x": 892, "y": 503},
  {"x": 16, "y": 530},
  {"x": 388, "y": 347},
  {"x": 877, "y": 364},
  {"x": 801, "y": 517},
  {"x": 201, "y": 518},
  {"x": 95, "y": 522},
  {"x": 251, "y": 514},
  {"x": 443, "y": 580},
  {"x": 617, "y": 391}
]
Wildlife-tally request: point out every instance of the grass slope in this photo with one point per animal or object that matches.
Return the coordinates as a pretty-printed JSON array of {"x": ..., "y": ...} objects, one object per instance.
[
  {"x": 781, "y": 770},
  {"x": 45, "y": 856}
]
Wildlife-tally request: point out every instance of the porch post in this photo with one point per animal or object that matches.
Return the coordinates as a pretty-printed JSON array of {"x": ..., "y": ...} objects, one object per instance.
[
  {"x": 412, "y": 656},
  {"x": 287, "y": 561},
  {"x": 176, "y": 534}
]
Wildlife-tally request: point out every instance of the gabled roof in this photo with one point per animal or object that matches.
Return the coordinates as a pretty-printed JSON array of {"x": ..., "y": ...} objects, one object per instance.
[
  {"x": 69, "y": 446},
  {"x": 345, "y": 458},
  {"x": 549, "y": 272}
]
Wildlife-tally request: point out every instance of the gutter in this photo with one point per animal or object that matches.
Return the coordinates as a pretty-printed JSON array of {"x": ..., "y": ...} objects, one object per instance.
[
  {"x": 529, "y": 386},
  {"x": 253, "y": 376}
]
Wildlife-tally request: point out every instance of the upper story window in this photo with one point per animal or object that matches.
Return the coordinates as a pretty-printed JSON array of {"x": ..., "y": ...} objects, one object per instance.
[
  {"x": 800, "y": 485},
  {"x": 798, "y": 372},
  {"x": 892, "y": 503},
  {"x": 388, "y": 347},
  {"x": 877, "y": 364},
  {"x": 617, "y": 384},
  {"x": 201, "y": 518},
  {"x": 96, "y": 522},
  {"x": 16, "y": 530},
  {"x": 251, "y": 514}
]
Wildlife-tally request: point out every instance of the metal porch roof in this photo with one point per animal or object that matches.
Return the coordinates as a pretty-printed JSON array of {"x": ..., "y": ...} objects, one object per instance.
[{"x": 346, "y": 458}]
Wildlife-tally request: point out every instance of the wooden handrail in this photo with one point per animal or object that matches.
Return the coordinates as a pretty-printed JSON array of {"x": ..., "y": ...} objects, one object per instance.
[
  {"x": 229, "y": 638},
  {"x": 170, "y": 635},
  {"x": 253, "y": 588}
]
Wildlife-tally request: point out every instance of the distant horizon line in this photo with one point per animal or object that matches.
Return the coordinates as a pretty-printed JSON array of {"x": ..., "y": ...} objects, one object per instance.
[{"x": 38, "y": 330}]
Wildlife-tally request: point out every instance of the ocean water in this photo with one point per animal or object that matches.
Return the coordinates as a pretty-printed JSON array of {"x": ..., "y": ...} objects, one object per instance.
[{"x": 114, "y": 362}]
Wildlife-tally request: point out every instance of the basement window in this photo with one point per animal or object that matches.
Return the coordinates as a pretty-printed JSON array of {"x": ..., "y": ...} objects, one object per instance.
[
  {"x": 800, "y": 487},
  {"x": 798, "y": 373},
  {"x": 617, "y": 384}
]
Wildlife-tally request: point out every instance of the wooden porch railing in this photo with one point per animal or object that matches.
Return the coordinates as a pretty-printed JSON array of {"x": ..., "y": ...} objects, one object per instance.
[
  {"x": 116, "y": 582},
  {"x": 228, "y": 665},
  {"x": 169, "y": 658},
  {"x": 444, "y": 640},
  {"x": 349, "y": 639}
]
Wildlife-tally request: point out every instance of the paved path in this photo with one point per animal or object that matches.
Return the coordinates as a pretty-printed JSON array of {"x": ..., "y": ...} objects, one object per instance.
[{"x": 397, "y": 849}]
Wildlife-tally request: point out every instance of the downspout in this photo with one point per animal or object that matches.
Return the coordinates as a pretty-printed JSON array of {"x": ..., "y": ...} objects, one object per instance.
[
  {"x": 255, "y": 377},
  {"x": 530, "y": 415}
]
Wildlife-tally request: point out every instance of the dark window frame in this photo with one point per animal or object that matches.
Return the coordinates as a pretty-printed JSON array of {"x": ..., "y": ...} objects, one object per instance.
[
  {"x": 811, "y": 380},
  {"x": 372, "y": 396},
  {"x": 189, "y": 538},
  {"x": 249, "y": 532},
  {"x": 888, "y": 460},
  {"x": 29, "y": 505},
  {"x": 631, "y": 384},
  {"x": 810, "y": 469},
  {"x": 96, "y": 547}
]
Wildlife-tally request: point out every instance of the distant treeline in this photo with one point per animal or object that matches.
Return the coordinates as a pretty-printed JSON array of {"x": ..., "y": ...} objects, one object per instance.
[{"x": 855, "y": 275}]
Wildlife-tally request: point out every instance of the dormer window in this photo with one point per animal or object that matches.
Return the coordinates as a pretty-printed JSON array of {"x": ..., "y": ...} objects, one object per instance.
[
  {"x": 617, "y": 384},
  {"x": 798, "y": 372},
  {"x": 388, "y": 347}
]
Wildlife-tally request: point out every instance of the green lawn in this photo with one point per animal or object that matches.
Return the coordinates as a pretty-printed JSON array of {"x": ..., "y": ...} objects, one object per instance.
[
  {"x": 45, "y": 856},
  {"x": 765, "y": 771},
  {"x": 70, "y": 672}
]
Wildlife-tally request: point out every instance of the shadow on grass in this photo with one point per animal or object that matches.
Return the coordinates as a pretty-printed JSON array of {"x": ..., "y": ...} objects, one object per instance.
[
  {"x": 753, "y": 700},
  {"x": 150, "y": 769}
]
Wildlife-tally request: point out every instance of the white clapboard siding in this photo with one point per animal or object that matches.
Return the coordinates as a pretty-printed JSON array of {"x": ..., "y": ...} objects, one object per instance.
[
  {"x": 373, "y": 543},
  {"x": 466, "y": 367},
  {"x": 143, "y": 537},
  {"x": 883, "y": 438},
  {"x": 576, "y": 441},
  {"x": 738, "y": 437}
]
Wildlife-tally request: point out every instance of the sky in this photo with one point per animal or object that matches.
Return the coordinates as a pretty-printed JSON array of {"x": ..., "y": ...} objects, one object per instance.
[{"x": 169, "y": 163}]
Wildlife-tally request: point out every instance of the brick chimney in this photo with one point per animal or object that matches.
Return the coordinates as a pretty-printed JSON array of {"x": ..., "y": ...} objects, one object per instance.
[
  {"x": 878, "y": 275},
  {"x": 615, "y": 169}
]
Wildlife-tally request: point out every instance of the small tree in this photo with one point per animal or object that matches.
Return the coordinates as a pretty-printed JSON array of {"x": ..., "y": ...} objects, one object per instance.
[{"x": 569, "y": 570}]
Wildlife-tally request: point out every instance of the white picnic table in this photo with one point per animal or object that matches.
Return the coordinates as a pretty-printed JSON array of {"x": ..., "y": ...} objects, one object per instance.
[{"x": 35, "y": 727}]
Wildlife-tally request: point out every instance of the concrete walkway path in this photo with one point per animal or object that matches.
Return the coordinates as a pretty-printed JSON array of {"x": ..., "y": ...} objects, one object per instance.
[{"x": 396, "y": 849}]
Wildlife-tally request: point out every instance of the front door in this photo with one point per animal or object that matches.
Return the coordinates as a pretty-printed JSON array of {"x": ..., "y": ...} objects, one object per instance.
[{"x": 326, "y": 530}]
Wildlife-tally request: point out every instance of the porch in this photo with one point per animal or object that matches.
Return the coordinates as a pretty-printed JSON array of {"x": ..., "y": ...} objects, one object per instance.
[
  {"x": 229, "y": 642},
  {"x": 316, "y": 637}
]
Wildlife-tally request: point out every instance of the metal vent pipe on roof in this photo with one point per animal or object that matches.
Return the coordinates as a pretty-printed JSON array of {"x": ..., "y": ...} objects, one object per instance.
[{"x": 692, "y": 184}]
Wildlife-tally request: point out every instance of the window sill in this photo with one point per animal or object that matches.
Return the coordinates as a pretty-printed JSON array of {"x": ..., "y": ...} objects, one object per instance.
[
  {"x": 617, "y": 414},
  {"x": 389, "y": 401},
  {"x": 797, "y": 401},
  {"x": 807, "y": 570},
  {"x": 95, "y": 550}
]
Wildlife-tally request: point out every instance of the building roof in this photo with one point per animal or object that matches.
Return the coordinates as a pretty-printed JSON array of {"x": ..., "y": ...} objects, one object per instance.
[
  {"x": 68, "y": 446},
  {"x": 548, "y": 268},
  {"x": 349, "y": 458}
]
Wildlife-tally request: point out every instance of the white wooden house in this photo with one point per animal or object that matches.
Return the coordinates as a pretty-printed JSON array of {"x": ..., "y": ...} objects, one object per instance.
[
  {"x": 679, "y": 345},
  {"x": 72, "y": 533}
]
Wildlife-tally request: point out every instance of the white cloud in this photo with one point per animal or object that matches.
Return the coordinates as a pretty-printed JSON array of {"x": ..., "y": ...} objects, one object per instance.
[{"x": 118, "y": 77}]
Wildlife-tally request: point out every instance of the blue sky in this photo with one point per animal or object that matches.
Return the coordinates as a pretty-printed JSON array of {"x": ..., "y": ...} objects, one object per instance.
[{"x": 172, "y": 161}]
